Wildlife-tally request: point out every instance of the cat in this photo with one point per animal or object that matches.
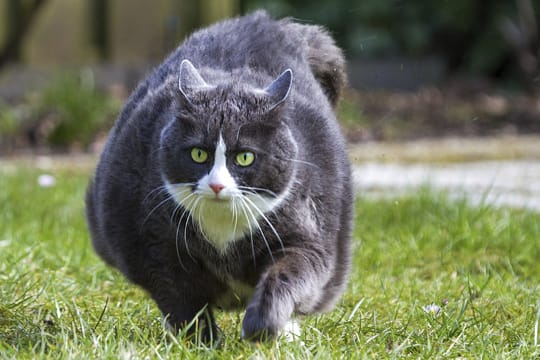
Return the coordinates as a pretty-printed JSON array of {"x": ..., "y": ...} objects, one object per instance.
[{"x": 225, "y": 181}]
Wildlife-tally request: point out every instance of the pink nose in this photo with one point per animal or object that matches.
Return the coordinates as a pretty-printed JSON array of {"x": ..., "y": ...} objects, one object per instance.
[{"x": 216, "y": 187}]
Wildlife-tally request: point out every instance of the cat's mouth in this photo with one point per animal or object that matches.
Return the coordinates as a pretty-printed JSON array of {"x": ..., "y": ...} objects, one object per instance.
[
  {"x": 220, "y": 203},
  {"x": 213, "y": 197}
]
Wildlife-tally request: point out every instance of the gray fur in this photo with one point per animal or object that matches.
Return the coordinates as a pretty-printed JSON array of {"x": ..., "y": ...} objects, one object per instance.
[{"x": 299, "y": 258}]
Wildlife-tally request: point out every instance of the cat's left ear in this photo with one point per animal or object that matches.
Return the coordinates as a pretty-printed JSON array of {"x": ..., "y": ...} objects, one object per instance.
[{"x": 280, "y": 88}]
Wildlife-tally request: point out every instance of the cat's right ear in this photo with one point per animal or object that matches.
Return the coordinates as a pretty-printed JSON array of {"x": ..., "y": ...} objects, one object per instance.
[{"x": 190, "y": 81}]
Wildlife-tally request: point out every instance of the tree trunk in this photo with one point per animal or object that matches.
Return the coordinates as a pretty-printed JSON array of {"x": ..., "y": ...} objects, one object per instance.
[
  {"x": 99, "y": 21},
  {"x": 21, "y": 16}
]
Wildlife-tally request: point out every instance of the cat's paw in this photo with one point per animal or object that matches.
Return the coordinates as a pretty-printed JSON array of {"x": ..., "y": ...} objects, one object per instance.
[{"x": 260, "y": 326}]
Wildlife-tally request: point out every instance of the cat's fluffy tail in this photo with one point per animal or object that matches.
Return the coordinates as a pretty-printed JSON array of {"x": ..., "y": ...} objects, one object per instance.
[{"x": 325, "y": 59}]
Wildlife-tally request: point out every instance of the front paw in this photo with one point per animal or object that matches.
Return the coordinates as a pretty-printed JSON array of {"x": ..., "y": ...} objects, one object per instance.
[
  {"x": 259, "y": 325},
  {"x": 269, "y": 309}
]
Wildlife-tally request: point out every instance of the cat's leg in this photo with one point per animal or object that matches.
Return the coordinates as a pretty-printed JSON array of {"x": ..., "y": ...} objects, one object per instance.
[
  {"x": 293, "y": 283},
  {"x": 183, "y": 312},
  {"x": 176, "y": 283},
  {"x": 183, "y": 302}
]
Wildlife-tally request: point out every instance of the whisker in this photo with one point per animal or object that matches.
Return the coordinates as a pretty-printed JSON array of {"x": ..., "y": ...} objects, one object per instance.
[
  {"x": 259, "y": 196},
  {"x": 303, "y": 162},
  {"x": 242, "y": 207},
  {"x": 262, "y": 215},
  {"x": 178, "y": 256},
  {"x": 196, "y": 210},
  {"x": 247, "y": 206},
  {"x": 160, "y": 189},
  {"x": 159, "y": 148},
  {"x": 200, "y": 210},
  {"x": 191, "y": 198},
  {"x": 235, "y": 215},
  {"x": 174, "y": 214},
  {"x": 300, "y": 162},
  {"x": 168, "y": 198},
  {"x": 253, "y": 190},
  {"x": 191, "y": 217},
  {"x": 253, "y": 247},
  {"x": 185, "y": 203}
]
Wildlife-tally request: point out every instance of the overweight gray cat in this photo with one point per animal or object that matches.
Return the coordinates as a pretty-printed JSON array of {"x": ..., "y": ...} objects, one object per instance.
[{"x": 225, "y": 180}]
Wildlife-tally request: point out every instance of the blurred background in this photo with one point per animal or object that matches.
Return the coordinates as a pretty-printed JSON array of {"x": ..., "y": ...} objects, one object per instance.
[{"x": 417, "y": 69}]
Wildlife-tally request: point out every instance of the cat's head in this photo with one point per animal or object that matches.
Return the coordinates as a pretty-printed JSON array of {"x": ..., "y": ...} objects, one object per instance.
[{"x": 228, "y": 157}]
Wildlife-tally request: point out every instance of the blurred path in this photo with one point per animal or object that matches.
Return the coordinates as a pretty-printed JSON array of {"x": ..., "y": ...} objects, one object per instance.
[{"x": 514, "y": 183}]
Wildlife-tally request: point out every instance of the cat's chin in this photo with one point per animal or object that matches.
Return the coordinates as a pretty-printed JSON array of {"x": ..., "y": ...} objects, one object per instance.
[{"x": 220, "y": 222}]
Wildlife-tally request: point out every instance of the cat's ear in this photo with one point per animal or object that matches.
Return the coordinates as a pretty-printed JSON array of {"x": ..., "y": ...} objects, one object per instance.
[
  {"x": 190, "y": 81},
  {"x": 280, "y": 88}
]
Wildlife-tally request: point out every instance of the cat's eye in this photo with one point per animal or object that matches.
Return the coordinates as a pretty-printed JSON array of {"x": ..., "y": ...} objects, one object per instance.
[
  {"x": 245, "y": 158},
  {"x": 199, "y": 155}
]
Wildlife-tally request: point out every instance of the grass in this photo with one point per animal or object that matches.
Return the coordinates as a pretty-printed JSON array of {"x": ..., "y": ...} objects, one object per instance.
[{"x": 478, "y": 264}]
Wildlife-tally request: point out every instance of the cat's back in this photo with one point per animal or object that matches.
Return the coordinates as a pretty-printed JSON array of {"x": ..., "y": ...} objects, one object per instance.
[
  {"x": 255, "y": 41},
  {"x": 260, "y": 44}
]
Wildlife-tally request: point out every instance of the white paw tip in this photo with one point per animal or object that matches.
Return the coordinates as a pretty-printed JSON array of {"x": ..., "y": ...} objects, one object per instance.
[{"x": 291, "y": 331}]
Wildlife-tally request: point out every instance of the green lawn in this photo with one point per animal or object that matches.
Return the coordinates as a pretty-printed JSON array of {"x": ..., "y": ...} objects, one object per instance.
[{"x": 479, "y": 265}]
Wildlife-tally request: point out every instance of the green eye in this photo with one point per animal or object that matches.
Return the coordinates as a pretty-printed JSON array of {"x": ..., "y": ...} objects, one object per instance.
[
  {"x": 199, "y": 155},
  {"x": 245, "y": 158}
]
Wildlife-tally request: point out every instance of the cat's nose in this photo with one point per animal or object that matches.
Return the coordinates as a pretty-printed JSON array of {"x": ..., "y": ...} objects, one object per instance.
[{"x": 216, "y": 187}]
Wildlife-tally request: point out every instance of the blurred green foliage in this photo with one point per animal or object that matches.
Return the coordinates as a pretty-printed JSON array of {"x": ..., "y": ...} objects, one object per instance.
[
  {"x": 69, "y": 112},
  {"x": 465, "y": 34},
  {"x": 76, "y": 108},
  {"x": 8, "y": 120},
  {"x": 12, "y": 124}
]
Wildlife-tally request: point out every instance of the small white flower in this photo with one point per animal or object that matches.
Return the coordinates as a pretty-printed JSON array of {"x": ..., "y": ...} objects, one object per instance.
[
  {"x": 46, "y": 180},
  {"x": 432, "y": 309}
]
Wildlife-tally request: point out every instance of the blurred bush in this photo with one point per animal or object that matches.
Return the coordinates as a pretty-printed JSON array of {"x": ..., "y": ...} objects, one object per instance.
[
  {"x": 75, "y": 109},
  {"x": 13, "y": 120},
  {"x": 68, "y": 113},
  {"x": 467, "y": 35},
  {"x": 8, "y": 121}
]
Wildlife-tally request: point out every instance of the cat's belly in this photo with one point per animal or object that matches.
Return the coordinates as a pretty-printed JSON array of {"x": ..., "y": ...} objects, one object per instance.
[{"x": 237, "y": 295}]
